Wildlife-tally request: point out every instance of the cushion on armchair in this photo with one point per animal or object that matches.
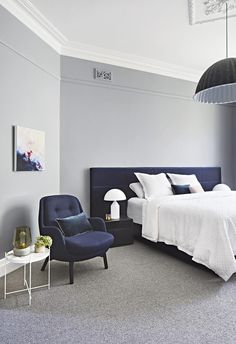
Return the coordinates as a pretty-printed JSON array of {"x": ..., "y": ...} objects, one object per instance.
[{"x": 73, "y": 225}]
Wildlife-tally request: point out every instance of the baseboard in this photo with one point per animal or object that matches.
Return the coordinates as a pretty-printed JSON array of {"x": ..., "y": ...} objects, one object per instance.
[{"x": 9, "y": 267}]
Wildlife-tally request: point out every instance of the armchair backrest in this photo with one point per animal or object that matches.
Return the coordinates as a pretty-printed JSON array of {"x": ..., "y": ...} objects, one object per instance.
[{"x": 57, "y": 206}]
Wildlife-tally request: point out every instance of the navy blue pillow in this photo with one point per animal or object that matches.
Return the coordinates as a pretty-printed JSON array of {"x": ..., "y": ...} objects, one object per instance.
[
  {"x": 180, "y": 189},
  {"x": 73, "y": 225}
]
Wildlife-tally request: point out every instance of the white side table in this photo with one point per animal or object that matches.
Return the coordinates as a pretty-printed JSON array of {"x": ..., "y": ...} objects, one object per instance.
[{"x": 26, "y": 260}]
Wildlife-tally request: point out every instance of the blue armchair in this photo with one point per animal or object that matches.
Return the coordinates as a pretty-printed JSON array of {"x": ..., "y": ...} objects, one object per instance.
[{"x": 74, "y": 248}]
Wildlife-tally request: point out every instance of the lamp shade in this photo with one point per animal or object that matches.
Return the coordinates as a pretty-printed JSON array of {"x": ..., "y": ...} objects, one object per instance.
[
  {"x": 114, "y": 195},
  {"x": 218, "y": 84}
]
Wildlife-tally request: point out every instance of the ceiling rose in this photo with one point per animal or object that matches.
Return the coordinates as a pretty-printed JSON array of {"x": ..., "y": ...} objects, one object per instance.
[
  {"x": 217, "y": 6},
  {"x": 201, "y": 11}
]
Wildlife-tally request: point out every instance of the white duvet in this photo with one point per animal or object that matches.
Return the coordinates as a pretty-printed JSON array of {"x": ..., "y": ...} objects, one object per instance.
[{"x": 203, "y": 225}]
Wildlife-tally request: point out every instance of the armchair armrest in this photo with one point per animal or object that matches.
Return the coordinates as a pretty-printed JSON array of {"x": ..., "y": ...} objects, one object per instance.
[
  {"x": 98, "y": 224},
  {"x": 58, "y": 239}
]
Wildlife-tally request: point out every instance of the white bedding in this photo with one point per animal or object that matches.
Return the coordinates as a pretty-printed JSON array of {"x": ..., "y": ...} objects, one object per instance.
[
  {"x": 202, "y": 225},
  {"x": 135, "y": 209}
]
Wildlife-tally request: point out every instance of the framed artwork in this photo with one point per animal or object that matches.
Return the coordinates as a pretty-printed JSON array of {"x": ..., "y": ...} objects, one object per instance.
[
  {"x": 201, "y": 11},
  {"x": 29, "y": 149}
]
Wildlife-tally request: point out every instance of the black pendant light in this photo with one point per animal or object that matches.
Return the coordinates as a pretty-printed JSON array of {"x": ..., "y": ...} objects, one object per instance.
[{"x": 218, "y": 84}]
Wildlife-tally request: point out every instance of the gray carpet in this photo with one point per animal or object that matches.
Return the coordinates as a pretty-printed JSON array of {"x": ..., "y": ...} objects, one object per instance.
[{"x": 146, "y": 297}]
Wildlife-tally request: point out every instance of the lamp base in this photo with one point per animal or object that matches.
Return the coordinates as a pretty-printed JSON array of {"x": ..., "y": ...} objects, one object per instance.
[{"x": 115, "y": 211}]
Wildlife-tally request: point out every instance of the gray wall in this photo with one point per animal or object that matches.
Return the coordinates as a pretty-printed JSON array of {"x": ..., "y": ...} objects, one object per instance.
[
  {"x": 140, "y": 119},
  {"x": 30, "y": 97}
]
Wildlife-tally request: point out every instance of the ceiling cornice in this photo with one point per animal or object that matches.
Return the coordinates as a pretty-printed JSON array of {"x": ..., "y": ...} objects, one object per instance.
[
  {"x": 116, "y": 58},
  {"x": 29, "y": 15}
]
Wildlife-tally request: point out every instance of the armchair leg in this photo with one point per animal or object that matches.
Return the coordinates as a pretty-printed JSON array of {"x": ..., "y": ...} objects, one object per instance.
[
  {"x": 45, "y": 264},
  {"x": 71, "y": 272},
  {"x": 105, "y": 261}
]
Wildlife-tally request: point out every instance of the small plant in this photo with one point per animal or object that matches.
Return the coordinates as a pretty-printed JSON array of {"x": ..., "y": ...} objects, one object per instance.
[{"x": 43, "y": 241}]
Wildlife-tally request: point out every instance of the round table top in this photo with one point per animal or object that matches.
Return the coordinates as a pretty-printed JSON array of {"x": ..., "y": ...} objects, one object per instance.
[{"x": 30, "y": 258}]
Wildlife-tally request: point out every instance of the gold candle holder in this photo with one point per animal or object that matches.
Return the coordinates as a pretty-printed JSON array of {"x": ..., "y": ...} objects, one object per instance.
[
  {"x": 22, "y": 241},
  {"x": 108, "y": 217}
]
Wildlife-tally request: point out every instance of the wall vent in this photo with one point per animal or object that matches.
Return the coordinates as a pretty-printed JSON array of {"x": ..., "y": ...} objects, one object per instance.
[{"x": 103, "y": 75}]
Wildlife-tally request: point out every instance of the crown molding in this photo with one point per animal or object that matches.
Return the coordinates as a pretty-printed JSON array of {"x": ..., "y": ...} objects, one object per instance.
[
  {"x": 30, "y": 16},
  {"x": 116, "y": 58}
]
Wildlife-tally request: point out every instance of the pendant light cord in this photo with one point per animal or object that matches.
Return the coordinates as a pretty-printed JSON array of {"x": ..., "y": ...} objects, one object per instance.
[{"x": 227, "y": 30}]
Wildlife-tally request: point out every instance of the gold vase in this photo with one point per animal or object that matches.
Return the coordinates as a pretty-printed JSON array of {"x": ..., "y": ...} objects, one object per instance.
[{"x": 22, "y": 241}]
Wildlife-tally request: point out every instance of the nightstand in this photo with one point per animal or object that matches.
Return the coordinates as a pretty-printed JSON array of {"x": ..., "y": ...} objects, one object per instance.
[{"x": 122, "y": 229}]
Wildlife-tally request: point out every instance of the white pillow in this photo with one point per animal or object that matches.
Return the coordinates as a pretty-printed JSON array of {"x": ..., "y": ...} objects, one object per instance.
[
  {"x": 196, "y": 189},
  {"x": 137, "y": 189},
  {"x": 221, "y": 187},
  {"x": 191, "y": 179},
  {"x": 154, "y": 184}
]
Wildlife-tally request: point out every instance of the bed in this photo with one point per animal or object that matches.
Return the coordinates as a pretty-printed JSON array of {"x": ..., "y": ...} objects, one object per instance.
[
  {"x": 211, "y": 215},
  {"x": 135, "y": 209}
]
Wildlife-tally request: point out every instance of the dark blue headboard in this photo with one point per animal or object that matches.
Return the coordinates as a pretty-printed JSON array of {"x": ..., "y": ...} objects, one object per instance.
[{"x": 103, "y": 179}]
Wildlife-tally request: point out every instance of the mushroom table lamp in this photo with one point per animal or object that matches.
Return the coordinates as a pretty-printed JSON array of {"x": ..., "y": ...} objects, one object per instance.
[{"x": 115, "y": 195}]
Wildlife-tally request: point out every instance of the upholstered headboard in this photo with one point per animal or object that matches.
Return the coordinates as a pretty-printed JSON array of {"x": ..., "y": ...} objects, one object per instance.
[{"x": 103, "y": 179}]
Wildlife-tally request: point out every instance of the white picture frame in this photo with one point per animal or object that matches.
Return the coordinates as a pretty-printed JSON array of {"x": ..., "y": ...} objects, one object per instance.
[
  {"x": 201, "y": 11},
  {"x": 29, "y": 149}
]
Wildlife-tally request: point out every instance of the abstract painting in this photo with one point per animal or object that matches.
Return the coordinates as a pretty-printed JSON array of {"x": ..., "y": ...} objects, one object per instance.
[
  {"x": 29, "y": 149},
  {"x": 201, "y": 11}
]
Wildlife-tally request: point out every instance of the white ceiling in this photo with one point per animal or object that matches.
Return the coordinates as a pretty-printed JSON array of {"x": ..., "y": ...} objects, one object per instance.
[{"x": 149, "y": 34}]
